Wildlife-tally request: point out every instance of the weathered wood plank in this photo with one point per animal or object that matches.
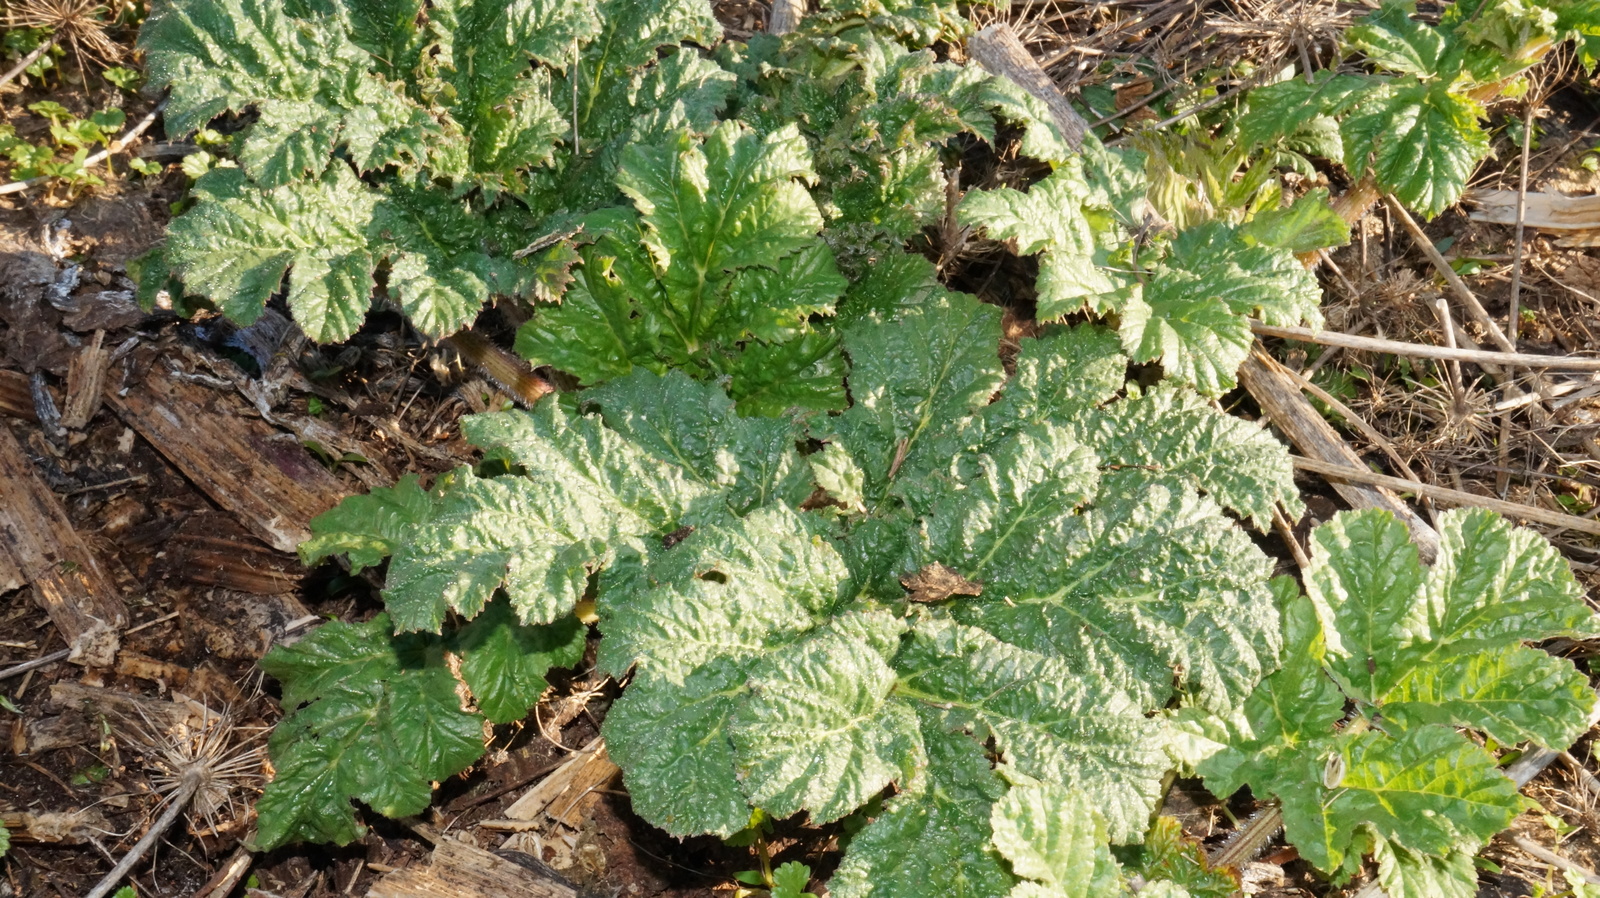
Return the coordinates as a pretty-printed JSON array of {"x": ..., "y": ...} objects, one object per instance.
[
  {"x": 69, "y": 581},
  {"x": 16, "y": 397},
  {"x": 999, "y": 50},
  {"x": 786, "y": 16},
  {"x": 262, "y": 476},
  {"x": 212, "y": 549},
  {"x": 86, "y": 378},
  {"x": 459, "y": 870}
]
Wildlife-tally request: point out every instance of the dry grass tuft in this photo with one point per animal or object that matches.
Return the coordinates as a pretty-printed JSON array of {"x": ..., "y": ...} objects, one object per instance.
[{"x": 79, "y": 24}]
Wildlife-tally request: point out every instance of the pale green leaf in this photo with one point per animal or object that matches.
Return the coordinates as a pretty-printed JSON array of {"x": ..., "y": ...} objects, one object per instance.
[
  {"x": 1062, "y": 376},
  {"x": 238, "y": 241},
  {"x": 670, "y": 737},
  {"x": 694, "y": 426},
  {"x": 1513, "y": 694},
  {"x": 1276, "y": 111},
  {"x": 936, "y": 830},
  {"x": 1427, "y": 788},
  {"x": 1050, "y": 217},
  {"x": 1175, "y": 433},
  {"x": 1404, "y": 873},
  {"x": 839, "y": 476},
  {"x": 311, "y": 87},
  {"x": 911, "y": 379},
  {"x": 1365, "y": 580},
  {"x": 1307, "y": 225},
  {"x": 991, "y": 528},
  {"x": 1199, "y": 296},
  {"x": 1395, "y": 41},
  {"x": 1418, "y": 140},
  {"x": 1055, "y": 836},
  {"x": 731, "y": 588},
  {"x": 1051, "y": 722},
  {"x": 1495, "y": 582},
  {"x": 1152, "y": 589},
  {"x": 821, "y": 732}
]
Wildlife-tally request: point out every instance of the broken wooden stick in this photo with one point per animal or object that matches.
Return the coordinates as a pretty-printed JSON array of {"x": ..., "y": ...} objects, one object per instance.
[
  {"x": 1576, "y": 218},
  {"x": 999, "y": 50}
]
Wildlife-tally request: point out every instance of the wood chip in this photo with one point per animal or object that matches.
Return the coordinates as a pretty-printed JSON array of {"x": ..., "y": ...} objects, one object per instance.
[
  {"x": 564, "y": 794},
  {"x": 16, "y": 396},
  {"x": 69, "y": 581},
  {"x": 1576, "y": 217},
  {"x": 212, "y": 549},
  {"x": 86, "y": 378},
  {"x": 458, "y": 870},
  {"x": 271, "y": 483}
]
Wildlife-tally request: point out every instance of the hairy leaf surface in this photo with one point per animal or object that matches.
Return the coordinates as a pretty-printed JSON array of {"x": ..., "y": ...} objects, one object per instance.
[
  {"x": 369, "y": 720},
  {"x": 1418, "y": 653}
]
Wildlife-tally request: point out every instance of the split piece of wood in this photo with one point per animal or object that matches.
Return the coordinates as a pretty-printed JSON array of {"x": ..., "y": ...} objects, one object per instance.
[
  {"x": 786, "y": 15},
  {"x": 271, "y": 483},
  {"x": 1577, "y": 218},
  {"x": 458, "y": 870},
  {"x": 16, "y": 396},
  {"x": 69, "y": 581},
  {"x": 1281, "y": 400},
  {"x": 999, "y": 50},
  {"x": 86, "y": 377}
]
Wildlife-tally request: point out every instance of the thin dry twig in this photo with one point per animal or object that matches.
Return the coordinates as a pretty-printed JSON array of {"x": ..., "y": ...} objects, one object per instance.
[
  {"x": 30, "y": 59},
  {"x": 1554, "y": 860},
  {"x": 1447, "y": 495},
  {"x": 1457, "y": 285},
  {"x": 116, "y": 146},
  {"x": 1424, "y": 351}
]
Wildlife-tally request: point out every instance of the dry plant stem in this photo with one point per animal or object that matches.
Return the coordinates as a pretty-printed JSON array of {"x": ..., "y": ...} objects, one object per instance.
[
  {"x": 1480, "y": 357},
  {"x": 175, "y": 807},
  {"x": 26, "y": 666},
  {"x": 30, "y": 59},
  {"x": 1457, "y": 285},
  {"x": 1522, "y": 216},
  {"x": 227, "y": 876},
  {"x": 1248, "y": 840},
  {"x": 1553, "y": 859},
  {"x": 1352, "y": 205},
  {"x": 1290, "y": 412},
  {"x": 1356, "y": 421},
  {"x": 1590, "y": 784},
  {"x": 116, "y": 146},
  {"x": 1458, "y": 395},
  {"x": 1280, "y": 523},
  {"x": 1447, "y": 495}
]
